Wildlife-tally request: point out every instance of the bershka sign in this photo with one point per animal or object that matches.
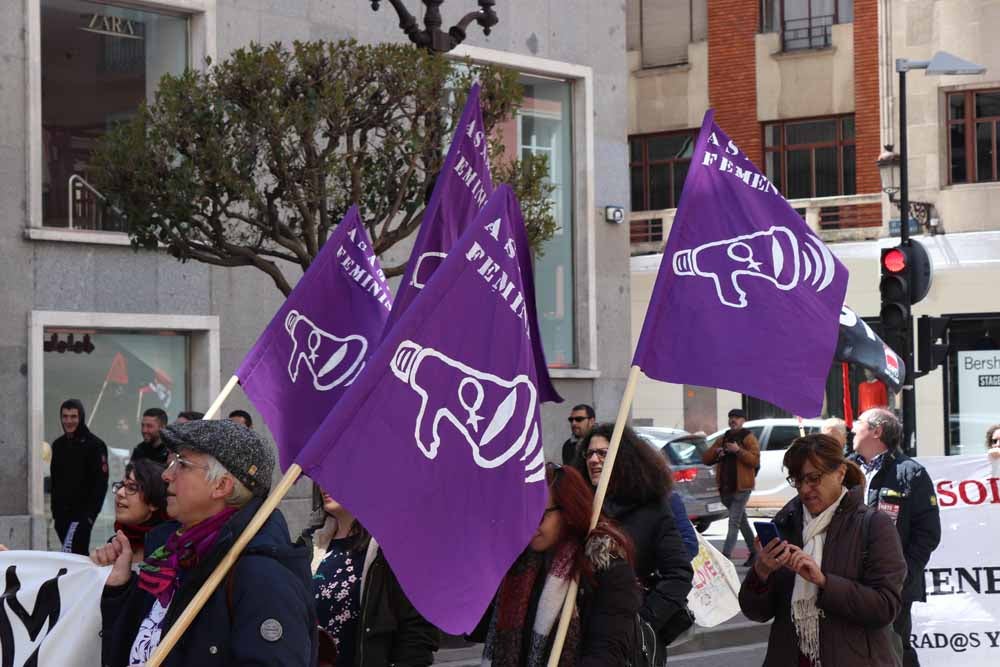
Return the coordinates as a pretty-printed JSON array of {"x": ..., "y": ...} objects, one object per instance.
[
  {"x": 960, "y": 622},
  {"x": 50, "y": 609}
]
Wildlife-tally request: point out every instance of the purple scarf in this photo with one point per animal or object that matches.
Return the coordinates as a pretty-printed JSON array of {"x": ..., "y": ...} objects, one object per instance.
[{"x": 159, "y": 573}]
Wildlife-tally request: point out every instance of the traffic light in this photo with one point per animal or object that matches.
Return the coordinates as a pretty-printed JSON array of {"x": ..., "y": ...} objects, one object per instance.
[
  {"x": 895, "y": 290},
  {"x": 932, "y": 343}
]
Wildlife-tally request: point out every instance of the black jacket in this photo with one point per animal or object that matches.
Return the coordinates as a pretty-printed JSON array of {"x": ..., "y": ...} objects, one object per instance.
[
  {"x": 569, "y": 451},
  {"x": 79, "y": 473},
  {"x": 146, "y": 451},
  {"x": 903, "y": 489},
  {"x": 270, "y": 583},
  {"x": 390, "y": 630},
  {"x": 661, "y": 561}
]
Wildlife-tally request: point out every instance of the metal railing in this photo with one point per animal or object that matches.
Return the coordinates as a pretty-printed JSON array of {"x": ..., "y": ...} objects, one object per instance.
[
  {"x": 89, "y": 209},
  {"x": 811, "y": 32}
]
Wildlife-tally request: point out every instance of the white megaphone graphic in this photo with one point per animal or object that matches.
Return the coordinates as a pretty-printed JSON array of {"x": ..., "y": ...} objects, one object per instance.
[
  {"x": 332, "y": 361},
  {"x": 495, "y": 416},
  {"x": 425, "y": 267},
  {"x": 775, "y": 255}
]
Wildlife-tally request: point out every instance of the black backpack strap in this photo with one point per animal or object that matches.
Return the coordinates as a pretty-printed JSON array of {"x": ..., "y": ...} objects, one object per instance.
[{"x": 866, "y": 523}]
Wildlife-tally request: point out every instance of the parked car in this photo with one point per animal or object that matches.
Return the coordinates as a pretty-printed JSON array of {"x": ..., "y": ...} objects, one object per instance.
[
  {"x": 693, "y": 480},
  {"x": 774, "y": 436}
]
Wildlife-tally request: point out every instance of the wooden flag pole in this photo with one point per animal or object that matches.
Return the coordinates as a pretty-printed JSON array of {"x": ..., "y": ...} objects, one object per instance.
[
  {"x": 213, "y": 581},
  {"x": 602, "y": 489},
  {"x": 221, "y": 398},
  {"x": 97, "y": 403}
]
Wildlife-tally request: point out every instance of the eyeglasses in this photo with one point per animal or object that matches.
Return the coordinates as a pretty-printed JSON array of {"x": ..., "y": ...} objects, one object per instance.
[
  {"x": 183, "y": 462},
  {"x": 601, "y": 454},
  {"x": 131, "y": 488},
  {"x": 812, "y": 479},
  {"x": 577, "y": 420}
]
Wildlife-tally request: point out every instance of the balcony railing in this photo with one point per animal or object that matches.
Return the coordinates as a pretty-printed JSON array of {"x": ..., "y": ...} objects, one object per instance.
[
  {"x": 849, "y": 217},
  {"x": 811, "y": 32},
  {"x": 89, "y": 209}
]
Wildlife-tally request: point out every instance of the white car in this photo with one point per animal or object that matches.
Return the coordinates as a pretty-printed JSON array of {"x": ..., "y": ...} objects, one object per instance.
[{"x": 774, "y": 436}]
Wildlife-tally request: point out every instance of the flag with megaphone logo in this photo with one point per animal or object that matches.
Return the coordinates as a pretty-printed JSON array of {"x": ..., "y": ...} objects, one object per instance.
[
  {"x": 747, "y": 297},
  {"x": 437, "y": 448},
  {"x": 319, "y": 340}
]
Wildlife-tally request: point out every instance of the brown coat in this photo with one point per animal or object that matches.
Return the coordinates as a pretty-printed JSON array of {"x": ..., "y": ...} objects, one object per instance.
[
  {"x": 747, "y": 460},
  {"x": 859, "y": 604}
]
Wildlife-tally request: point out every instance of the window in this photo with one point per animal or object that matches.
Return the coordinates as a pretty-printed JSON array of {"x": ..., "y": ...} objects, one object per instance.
[
  {"x": 668, "y": 26},
  {"x": 781, "y": 437},
  {"x": 804, "y": 24},
  {"x": 973, "y": 121},
  {"x": 545, "y": 126},
  {"x": 973, "y": 381},
  {"x": 658, "y": 164},
  {"x": 98, "y": 63},
  {"x": 811, "y": 158},
  {"x": 117, "y": 375}
]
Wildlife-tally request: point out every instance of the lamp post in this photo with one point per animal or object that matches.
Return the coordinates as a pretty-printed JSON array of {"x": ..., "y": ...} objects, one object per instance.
[
  {"x": 432, "y": 37},
  {"x": 941, "y": 64}
]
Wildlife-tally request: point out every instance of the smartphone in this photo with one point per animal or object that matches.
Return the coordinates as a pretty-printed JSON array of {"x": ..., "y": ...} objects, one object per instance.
[{"x": 766, "y": 531}]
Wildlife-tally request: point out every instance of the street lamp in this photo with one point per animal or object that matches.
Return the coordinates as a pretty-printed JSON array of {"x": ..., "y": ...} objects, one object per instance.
[
  {"x": 432, "y": 37},
  {"x": 941, "y": 64}
]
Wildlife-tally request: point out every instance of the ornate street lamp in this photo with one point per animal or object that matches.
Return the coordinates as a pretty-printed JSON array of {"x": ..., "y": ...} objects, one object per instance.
[{"x": 432, "y": 37}]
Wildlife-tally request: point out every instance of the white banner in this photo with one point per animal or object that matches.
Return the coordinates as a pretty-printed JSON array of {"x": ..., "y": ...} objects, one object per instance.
[
  {"x": 50, "y": 609},
  {"x": 960, "y": 622}
]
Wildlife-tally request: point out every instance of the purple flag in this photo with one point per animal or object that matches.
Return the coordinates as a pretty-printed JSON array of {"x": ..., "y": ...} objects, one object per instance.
[
  {"x": 320, "y": 339},
  {"x": 747, "y": 297},
  {"x": 462, "y": 189},
  {"x": 437, "y": 448}
]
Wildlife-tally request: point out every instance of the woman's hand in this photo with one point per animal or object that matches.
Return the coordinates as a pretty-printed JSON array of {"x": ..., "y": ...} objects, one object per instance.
[
  {"x": 118, "y": 554},
  {"x": 803, "y": 565},
  {"x": 771, "y": 558}
]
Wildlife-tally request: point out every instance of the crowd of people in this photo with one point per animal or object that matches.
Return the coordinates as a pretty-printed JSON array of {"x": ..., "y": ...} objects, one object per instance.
[{"x": 838, "y": 582}]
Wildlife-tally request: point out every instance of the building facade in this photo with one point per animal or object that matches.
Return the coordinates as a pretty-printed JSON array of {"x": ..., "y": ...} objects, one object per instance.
[
  {"x": 814, "y": 102},
  {"x": 86, "y": 316}
]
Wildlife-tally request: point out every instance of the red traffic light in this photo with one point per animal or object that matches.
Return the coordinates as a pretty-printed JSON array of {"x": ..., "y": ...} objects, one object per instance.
[{"x": 894, "y": 261}]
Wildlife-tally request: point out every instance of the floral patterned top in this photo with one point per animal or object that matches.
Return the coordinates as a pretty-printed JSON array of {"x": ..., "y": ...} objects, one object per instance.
[{"x": 337, "y": 587}]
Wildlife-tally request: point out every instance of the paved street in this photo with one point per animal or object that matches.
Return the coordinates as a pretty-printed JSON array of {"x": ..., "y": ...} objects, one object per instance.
[{"x": 736, "y": 643}]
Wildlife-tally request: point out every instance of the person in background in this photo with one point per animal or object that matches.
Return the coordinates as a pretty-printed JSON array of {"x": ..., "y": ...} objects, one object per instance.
[
  {"x": 831, "y": 585},
  {"x": 217, "y": 478},
  {"x": 581, "y": 419},
  {"x": 638, "y": 500},
  {"x": 241, "y": 417},
  {"x": 346, "y": 560},
  {"x": 140, "y": 504},
  {"x": 519, "y": 627},
  {"x": 152, "y": 447},
  {"x": 79, "y": 472},
  {"x": 836, "y": 428},
  {"x": 900, "y": 487},
  {"x": 736, "y": 456},
  {"x": 684, "y": 526},
  {"x": 189, "y": 416},
  {"x": 993, "y": 441}
]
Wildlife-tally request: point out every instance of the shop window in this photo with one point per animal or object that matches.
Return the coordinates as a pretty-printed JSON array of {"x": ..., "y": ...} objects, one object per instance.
[
  {"x": 99, "y": 62},
  {"x": 658, "y": 165},
  {"x": 973, "y": 123},
  {"x": 811, "y": 158},
  {"x": 973, "y": 386},
  {"x": 117, "y": 376}
]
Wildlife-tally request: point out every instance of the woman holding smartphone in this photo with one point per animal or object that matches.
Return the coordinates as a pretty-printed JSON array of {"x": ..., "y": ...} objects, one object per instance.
[{"x": 832, "y": 581}]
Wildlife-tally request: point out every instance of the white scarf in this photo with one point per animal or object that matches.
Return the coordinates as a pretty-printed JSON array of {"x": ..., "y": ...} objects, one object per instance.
[{"x": 805, "y": 614}]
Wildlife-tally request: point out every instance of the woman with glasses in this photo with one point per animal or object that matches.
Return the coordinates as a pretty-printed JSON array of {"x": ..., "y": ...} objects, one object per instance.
[
  {"x": 521, "y": 624},
  {"x": 832, "y": 581},
  {"x": 140, "y": 504},
  {"x": 638, "y": 499},
  {"x": 993, "y": 442}
]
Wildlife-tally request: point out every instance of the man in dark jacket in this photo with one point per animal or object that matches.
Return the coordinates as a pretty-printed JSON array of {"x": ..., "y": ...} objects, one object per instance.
[
  {"x": 581, "y": 419},
  {"x": 79, "y": 473},
  {"x": 262, "y": 613},
  {"x": 900, "y": 487},
  {"x": 152, "y": 447}
]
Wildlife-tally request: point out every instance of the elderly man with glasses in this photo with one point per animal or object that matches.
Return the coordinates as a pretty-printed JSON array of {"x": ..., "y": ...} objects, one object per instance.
[
  {"x": 900, "y": 487},
  {"x": 581, "y": 419},
  {"x": 218, "y": 474}
]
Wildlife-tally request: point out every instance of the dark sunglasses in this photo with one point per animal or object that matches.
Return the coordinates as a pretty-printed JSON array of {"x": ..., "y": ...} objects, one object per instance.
[{"x": 577, "y": 420}]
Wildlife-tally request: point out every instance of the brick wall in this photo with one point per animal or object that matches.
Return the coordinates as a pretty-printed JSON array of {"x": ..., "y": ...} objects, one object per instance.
[
  {"x": 732, "y": 73},
  {"x": 866, "y": 95}
]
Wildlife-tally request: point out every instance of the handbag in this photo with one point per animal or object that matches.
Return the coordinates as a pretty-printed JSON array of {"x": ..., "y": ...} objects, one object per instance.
[
  {"x": 676, "y": 625},
  {"x": 648, "y": 652}
]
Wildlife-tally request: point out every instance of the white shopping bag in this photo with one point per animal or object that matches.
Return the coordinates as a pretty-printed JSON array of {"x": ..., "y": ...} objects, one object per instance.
[{"x": 714, "y": 596}]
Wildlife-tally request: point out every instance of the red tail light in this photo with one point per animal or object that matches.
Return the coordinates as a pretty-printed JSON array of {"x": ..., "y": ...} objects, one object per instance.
[{"x": 686, "y": 475}]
